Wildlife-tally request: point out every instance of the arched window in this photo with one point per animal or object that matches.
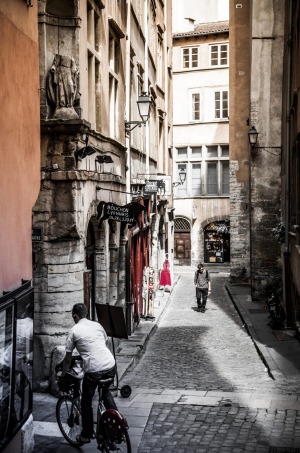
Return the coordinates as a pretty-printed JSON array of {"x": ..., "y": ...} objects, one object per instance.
[{"x": 181, "y": 224}]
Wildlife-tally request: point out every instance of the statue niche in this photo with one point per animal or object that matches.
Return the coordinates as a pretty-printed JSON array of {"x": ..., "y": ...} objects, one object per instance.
[{"x": 63, "y": 86}]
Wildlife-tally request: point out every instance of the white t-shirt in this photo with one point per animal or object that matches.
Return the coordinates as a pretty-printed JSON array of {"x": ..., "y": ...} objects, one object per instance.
[{"x": 89, "y": 338}]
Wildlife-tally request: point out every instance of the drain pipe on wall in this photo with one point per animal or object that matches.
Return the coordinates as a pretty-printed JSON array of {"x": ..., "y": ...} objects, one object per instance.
[
  {"x": 146, "y": 84},
  {"x": 129, "y": 319},
  {"x": 286, "y": 253}
]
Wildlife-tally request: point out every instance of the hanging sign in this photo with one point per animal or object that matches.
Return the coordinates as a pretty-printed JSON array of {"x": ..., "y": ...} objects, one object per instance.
[
  {"x": 127, "y": 214},
  {"x": 153, "y": 186}
]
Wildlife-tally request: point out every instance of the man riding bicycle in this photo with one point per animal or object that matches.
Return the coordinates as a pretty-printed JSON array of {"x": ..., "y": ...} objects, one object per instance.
[{"x": 89, "y": 338}]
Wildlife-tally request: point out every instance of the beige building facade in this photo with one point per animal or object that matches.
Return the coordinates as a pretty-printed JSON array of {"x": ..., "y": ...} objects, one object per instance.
[
  {"x": 201, "y": 138},
  {"x": 96, "y": 60}
]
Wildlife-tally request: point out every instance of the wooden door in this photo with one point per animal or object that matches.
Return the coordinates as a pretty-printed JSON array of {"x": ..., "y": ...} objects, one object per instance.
[{"x": 182, "y": 255}]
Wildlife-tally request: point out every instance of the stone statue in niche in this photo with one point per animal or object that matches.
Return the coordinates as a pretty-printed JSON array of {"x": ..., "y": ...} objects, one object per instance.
[{"x": 62, "y": 87}]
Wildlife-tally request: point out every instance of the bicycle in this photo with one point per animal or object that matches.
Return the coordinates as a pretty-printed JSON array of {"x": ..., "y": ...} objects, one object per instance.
[{"x": 111, "y": 431}]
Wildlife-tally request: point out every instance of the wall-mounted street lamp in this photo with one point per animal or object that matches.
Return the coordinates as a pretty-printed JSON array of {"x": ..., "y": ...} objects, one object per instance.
[
  {"x": 253, "y": 136},
  {"x": 143, "y": 103},
  {"x": 182, "y": 178}
]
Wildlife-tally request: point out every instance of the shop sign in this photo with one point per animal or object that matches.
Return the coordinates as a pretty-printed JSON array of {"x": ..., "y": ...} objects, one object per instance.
[
  {"x": 127, "y": 214},
  {"x": 158, "y": 184},
  {"x": 151, "y": 187},
  {"x": 36, "y": 234}
]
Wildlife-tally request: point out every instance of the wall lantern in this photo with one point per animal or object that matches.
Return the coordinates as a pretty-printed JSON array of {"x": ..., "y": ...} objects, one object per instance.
[
  {"x": 143, "y": 103},
  {"x": 253, "y": 136},
  {"x": 182, "y": 178}
]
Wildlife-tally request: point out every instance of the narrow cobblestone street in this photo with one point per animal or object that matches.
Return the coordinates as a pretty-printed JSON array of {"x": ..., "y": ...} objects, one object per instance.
[
  {"x": 201, "y": 383},
  {"x": 197, "y": 351},
  {"x": 204, "y": 385}
]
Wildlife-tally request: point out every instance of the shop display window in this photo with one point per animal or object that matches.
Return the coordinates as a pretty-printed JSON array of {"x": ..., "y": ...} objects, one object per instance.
[
  {"x": 16, "y": 360},
  {"x": 216, "y": 243}
]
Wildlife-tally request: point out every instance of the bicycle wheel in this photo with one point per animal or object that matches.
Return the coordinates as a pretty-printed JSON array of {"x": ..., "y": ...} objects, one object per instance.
[
  {"x": 68, "y": 417},
  {"x": 124, "y": 444},
  {"x": 112, "y": 432},
  {"x": 121, "y": 445}
]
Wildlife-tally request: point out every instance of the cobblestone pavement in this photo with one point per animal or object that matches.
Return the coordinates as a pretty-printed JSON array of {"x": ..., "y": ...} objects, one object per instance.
[
  {"x": 201, "y": 351},
  {"x": 200, "y": 384},
  {"x": 205, "y": 386}
]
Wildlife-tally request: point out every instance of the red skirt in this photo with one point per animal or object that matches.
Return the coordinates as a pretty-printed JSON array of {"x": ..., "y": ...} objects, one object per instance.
[{"x": 165, "y": 278}]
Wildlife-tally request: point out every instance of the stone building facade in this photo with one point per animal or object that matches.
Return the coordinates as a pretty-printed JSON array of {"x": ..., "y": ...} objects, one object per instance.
[
  {"x": 256, "y": 49},
  {"x": 96, "y": 59},
  {"x": 289, "y": 233},
  {"x": 201, "y": 136}
]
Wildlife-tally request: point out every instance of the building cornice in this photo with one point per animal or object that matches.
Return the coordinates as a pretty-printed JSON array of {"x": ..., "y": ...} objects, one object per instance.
[{"x": 211, "y": 28}]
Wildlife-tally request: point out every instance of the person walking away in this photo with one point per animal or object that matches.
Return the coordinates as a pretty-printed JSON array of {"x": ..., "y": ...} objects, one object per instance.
[
  {"x": 89, "y": 338},
  {"x": 202, "y": 282}
]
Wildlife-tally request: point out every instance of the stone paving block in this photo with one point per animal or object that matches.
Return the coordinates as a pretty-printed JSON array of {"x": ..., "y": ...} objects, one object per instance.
[
  {"x": 199, "y": 400},
  {"x": 50, "y": 429}
]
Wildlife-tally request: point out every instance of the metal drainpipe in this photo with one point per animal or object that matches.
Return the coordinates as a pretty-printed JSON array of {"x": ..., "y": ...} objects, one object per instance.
[
  {"x": 127, "y": 100},
  {"x": 287, "y": 283},
  {"x": 128, "y": 172},
  {"x": 146, "y": 84}
]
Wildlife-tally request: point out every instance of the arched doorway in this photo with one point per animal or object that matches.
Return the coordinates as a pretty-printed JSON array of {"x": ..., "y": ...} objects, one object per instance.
[
  {"x": 182, "y": 241},
  {"x": 217, "y": 242}
]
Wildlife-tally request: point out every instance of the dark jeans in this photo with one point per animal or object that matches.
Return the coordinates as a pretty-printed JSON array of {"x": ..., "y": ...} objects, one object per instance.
[
  {"x": 89, "y": 385},
  {"x": 201, "y": 295}
]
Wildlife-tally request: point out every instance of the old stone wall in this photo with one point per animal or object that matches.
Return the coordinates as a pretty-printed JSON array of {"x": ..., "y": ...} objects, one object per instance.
[
  {"x": 266, "y": 108},
  {"x": 239, "y": 88}
]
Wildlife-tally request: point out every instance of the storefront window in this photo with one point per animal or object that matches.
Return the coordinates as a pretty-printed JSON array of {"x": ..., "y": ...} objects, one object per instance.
[
  {"x": 16, "y": 352},
  {"x": 217, "y": 242},
  {"x": 6, "y": 354}
]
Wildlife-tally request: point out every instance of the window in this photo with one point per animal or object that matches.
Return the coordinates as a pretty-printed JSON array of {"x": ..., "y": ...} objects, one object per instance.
[
  {"x": 196, "y": 152},
  {"x": 93, "y": 67},
  {"x": 224, "y": 177},
  {"x": 212, "y": 151},
  {"x": 190, "y": 57},
  {"x": 182, "y": 153},
  {"x": 211, "y": 179},
  {"x": 207, "y": 171},
  {"x": 196, "y": 179},
  {"x": 16, "y": 350},
  {"x": 114, "y": 55},
  {"x": 219, "y": 55},
  {"x": 182, "y": 189},
  {"x": 221, "y": 104},
  {"x": 196, "y": 106},
  {"x": 160, "y": 61}
]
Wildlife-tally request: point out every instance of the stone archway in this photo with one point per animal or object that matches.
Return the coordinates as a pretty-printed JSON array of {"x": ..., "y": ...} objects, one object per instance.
[{"x": 216, "y": 240}]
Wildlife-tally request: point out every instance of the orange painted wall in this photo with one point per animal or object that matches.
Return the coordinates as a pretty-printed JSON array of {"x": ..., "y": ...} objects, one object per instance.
[{"x": 19, "y": 139}]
